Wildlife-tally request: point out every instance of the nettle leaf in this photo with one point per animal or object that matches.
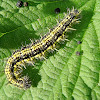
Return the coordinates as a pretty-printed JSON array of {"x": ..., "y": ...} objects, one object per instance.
[{"x": 65, "y": 75}]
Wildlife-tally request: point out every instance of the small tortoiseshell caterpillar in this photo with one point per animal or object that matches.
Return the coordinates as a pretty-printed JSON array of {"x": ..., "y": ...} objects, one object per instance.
[{"x": 36, "y": 50}]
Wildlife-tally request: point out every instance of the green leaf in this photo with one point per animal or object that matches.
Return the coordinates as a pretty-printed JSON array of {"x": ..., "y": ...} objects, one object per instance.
[{"x": 65, "y": 75}]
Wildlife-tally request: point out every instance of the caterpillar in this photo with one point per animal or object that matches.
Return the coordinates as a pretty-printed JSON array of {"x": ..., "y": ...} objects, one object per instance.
[{"x": 36, "y": 50}]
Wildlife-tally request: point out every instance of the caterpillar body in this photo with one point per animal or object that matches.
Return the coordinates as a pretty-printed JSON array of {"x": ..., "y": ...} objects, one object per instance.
[{"x": 36, "y": 50}]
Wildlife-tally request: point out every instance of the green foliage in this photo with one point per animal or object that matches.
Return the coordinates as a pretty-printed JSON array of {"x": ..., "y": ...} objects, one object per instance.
[{"x": 65, "y": 75}]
